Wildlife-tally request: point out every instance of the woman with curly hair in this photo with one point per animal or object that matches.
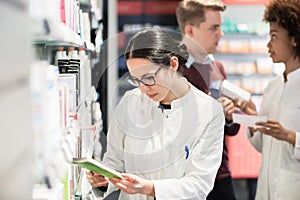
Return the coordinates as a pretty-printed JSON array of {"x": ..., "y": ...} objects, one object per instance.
[{"x": 278, "y": 139}]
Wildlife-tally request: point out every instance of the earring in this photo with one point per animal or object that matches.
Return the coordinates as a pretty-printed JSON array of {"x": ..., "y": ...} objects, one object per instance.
[{"x": 294, "y": 43}]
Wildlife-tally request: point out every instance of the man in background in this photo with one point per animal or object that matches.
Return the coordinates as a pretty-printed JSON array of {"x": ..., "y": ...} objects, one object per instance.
[{"x": 200, "y": 23}]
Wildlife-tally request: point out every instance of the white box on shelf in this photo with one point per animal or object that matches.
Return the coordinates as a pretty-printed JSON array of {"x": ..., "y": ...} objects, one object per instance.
[
  {"x": 70, "y": 80},
  {"x": 63, "y": 104}
]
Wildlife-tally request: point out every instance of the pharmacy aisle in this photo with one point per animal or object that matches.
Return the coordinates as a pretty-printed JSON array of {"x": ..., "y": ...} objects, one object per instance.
[{"x": 49, "y": 106}]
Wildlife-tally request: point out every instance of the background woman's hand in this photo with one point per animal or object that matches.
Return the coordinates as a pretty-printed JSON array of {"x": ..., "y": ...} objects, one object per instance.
[
  {"x": 96, "y": 180},
  {"x": 276, "y": 130},
  {"x": 133, "y": 184},
  {"x": 247, "y": 107}
]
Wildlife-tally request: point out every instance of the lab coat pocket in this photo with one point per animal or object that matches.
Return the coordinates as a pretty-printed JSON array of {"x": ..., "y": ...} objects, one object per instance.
[
  {"x": 288, "y": 161},
  {"x": 288, "y": 185},
  {"x": 291, "y": 118},
  {"x": 181, "y": 165}
]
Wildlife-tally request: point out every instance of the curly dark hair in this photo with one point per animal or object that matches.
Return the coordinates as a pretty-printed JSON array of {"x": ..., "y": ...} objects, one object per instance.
[{"x": 287, "y": 14}]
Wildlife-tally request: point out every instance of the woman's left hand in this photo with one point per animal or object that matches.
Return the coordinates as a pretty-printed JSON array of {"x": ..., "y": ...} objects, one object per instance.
[
  {"x": 276, "y": 130},
  {"x": 133, "y": 184}
]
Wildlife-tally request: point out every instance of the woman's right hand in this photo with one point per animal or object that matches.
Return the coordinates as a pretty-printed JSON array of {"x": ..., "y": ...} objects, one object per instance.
[
  {"x": 96, "y": 180},
  {"x": 248, "y": 107}
]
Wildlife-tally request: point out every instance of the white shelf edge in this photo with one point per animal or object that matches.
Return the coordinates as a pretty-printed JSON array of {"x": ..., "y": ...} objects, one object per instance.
[{"x": 49, "y": 30}]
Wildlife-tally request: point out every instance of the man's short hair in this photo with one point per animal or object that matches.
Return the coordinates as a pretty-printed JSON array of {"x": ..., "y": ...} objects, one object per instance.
[{"x": 193, "y": 11}]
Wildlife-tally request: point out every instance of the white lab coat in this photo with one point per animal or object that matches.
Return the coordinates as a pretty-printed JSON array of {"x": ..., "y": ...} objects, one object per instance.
[
  {"x": 279, "y": 176},
  {"x": 151, "y": 143}
]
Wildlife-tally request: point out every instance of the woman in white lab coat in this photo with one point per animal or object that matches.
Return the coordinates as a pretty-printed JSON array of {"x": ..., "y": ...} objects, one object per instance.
[
  {"x": 166, "y": 136},
  {"x": 278, "y": 139}
]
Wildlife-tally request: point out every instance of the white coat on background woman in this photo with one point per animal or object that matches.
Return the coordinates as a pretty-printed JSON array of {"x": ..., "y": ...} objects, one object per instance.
[{"x": 278, "y": 139}]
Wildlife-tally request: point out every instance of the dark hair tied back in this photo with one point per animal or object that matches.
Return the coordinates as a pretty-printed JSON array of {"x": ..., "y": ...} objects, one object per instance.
[{"x": 157, "y": 45}]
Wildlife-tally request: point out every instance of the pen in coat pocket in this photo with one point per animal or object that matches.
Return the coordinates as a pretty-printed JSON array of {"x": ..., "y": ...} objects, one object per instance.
[{"x": 187, "y": 151}]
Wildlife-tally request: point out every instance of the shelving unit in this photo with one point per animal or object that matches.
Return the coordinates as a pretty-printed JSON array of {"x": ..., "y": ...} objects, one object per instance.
[
  {"x": 152, "y": 12},
  {"x": 144, "y": 15},
  {"x": 246, "y": 60},
  {"x": 66, "y": 115}
]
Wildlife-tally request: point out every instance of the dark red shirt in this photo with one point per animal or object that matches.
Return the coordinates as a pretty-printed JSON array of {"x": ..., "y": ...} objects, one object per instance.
[{"x": 201, "y": 75}]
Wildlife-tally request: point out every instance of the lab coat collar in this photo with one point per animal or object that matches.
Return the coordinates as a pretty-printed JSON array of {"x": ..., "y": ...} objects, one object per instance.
[
  {"x": 177, "y": 103},
  {"x": 293, "y": 75}
]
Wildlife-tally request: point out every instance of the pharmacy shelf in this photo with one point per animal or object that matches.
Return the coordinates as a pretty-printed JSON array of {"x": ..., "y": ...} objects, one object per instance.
[
  {"x": 53, "y": 33},
  {"x": 252, "y": 76},
  {"x": 85, "y": 5},
  {"x": 241, "y": 57},
  {"x": 77, "y": 134},
  {"x": 243, "y": 36},
  {"x": 74, "y": 141},
  {"x": 247, "y": 62}
]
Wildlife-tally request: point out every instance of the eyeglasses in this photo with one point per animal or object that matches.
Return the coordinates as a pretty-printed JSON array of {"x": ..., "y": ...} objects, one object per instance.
[{"x": 147, "y": 80}]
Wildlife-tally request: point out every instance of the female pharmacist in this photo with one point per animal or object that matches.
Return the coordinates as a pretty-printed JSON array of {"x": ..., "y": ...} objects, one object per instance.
[
  {"x": 278, "y": 139},
  {"x": 165, "y": 135}
]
